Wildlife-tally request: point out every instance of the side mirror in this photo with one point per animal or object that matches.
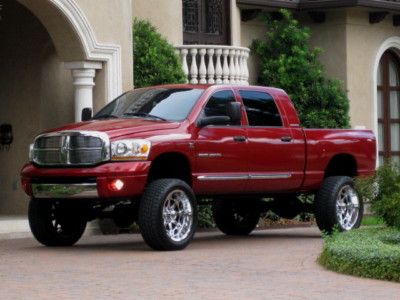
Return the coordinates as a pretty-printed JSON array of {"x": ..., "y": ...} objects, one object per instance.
[
  {"x": 216, "y": 120},
  {"x": 86, "y": 114},
  {"x": 234, "y": 112}
]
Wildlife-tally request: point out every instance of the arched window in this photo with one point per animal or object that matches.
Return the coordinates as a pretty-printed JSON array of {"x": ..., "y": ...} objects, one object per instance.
[{"x": 389, "y": 107}]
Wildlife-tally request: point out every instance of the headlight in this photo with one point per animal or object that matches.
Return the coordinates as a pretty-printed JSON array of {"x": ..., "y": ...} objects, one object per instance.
[{"x": 130, "y": 149}]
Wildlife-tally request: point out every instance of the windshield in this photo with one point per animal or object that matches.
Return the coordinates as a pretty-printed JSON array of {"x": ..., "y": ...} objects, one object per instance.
[{"x": 168, "y": 104}]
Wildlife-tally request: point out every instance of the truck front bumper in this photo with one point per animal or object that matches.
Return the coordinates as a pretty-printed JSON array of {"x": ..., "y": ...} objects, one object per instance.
[{"x": 109, "y": 180}]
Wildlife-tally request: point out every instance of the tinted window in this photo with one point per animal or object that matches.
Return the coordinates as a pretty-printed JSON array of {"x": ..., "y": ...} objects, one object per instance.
[
  {"x": 171, "y": 104},
  {"x": 217, "y": 104},
  {"x": 260, "y": 108}
]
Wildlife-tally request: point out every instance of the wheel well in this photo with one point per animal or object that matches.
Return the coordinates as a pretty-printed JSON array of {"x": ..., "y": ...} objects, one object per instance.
[
  {"x": 170, "y": 165},
  {"x": 341, "y": 164}
]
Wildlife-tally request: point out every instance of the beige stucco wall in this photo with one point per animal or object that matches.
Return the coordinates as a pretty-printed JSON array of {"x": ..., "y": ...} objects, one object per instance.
[
  {"x": 363, "y": 41},
  {"x": 166, "y": 16},
  {"x": 331, "y": 37},
  {"x": 111, "y": 22},
  {"x": 251, "y": 30}
]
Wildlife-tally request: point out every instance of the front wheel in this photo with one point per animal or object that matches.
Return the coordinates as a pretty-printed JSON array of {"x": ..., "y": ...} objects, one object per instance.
[
  {"x": 54, "y": 223},
  {"x": 168, "y": 214},
  {"x": 337, "y": 205},
  {"x": 235, "y": 217}
]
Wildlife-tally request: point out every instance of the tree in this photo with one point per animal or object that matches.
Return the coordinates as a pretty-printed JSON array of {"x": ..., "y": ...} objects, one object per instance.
[
  {"x": 288, "y": 62},
  {"x": 155, "y": 61}
]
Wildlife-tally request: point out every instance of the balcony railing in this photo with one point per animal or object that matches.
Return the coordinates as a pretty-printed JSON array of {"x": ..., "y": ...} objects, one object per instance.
[{"x": 214, "y": 64}]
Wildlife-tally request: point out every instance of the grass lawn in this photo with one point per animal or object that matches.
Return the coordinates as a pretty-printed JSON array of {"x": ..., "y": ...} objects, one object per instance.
[
  {"x": 372, "y": 221},
  {"x": 372, "y": 252}
]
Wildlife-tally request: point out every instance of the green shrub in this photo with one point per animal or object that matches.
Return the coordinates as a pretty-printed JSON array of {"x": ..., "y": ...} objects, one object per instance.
[
  {"x": 287, "y": 61},
  {"x": 383, "y": 192},
  {"x": 155, "y": 61},
  {"x": 372, "y": 252},
  {"x": 205, "y": 217}
]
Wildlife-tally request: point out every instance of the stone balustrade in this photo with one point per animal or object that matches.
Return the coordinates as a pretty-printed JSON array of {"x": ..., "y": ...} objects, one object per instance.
[{"x": 214, "y": 64}]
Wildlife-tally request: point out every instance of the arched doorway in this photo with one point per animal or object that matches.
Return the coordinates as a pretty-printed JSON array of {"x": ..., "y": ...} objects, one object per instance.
[
  {"x": 40, "y": 45},
  {"x": 32, "y": 82},
  {"x": 388, "y": 107}
]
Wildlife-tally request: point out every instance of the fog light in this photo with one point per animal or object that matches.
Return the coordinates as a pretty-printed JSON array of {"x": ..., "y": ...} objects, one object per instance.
[{"x": 116, "y": 185}]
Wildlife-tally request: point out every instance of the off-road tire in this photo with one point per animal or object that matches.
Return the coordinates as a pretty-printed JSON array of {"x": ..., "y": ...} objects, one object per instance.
[
  {"x": 54, "y": 224},
  {"x": 325, "y": 204},
  {"x": 151, "y": 222},
  {"x": 235, "y": 217}
]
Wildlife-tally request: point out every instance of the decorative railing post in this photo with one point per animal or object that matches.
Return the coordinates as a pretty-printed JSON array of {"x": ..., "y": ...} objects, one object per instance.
[
  {"x": 214, "y": 64},
  {"x": 193, "y": 67},
  {"x": 238, "y": 78},
  {"x": 225, "y": 66},
  {"x": 185, "y": 68},
  {"x": 218, "y": 67},
  {"x": 210, "y": 67},
  {"x": 232, "y": 69},
  {"x": 202, "y": 70}
]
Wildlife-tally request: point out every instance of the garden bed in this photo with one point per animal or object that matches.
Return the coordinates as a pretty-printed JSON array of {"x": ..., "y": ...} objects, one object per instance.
[{"x": 372, "y": 252}]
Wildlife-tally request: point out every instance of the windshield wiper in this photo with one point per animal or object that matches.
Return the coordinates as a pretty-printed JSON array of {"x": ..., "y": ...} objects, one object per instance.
[
  {"x": 106, "y": 117},
  {"x": 146, "y": 115}
]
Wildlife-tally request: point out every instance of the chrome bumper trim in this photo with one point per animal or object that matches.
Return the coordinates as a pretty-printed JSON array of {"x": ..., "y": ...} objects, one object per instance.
[{"x": 64, "y": 190}]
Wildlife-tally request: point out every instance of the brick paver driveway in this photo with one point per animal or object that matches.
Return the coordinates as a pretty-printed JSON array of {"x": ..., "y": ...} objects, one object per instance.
[{"x": 270, "y": 264}]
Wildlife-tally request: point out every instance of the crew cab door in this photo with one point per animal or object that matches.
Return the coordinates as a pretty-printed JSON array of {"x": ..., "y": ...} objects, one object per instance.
[
  {"x": 220, "y": 150},
  {"x": 276, "y": 153}
]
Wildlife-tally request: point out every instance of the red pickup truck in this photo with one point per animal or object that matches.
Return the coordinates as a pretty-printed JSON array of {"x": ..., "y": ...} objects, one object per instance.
[{"x": 153, "y": 154}]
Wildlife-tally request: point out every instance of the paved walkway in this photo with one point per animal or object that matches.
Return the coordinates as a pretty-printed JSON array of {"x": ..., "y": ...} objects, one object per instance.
[{"x": 270, "y": 264}]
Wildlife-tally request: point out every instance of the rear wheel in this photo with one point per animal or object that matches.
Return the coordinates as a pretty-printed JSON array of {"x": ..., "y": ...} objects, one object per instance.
[
  {"x": 235, "y": 217},
  {"x": 338, "y": 205},
  {"x": 168, "y": 214},
  {"x": 54, "y": 223}
]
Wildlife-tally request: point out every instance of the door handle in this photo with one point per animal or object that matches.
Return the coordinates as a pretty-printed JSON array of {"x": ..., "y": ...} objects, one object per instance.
[
  {"x": 239, "y": 138},
  {"x": 286, "y": 138}
]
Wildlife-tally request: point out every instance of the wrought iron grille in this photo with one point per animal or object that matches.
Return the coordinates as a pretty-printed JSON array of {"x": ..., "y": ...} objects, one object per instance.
[
  {"x": 214, "y": 17},
  {"x": 191, "y": 15}
]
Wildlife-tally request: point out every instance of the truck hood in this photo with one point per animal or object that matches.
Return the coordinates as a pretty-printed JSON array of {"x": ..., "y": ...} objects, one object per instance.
[{"x": 119, "y": 127}]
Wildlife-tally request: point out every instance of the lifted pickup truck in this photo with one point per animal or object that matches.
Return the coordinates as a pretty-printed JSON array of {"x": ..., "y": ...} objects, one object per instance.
[{"x": 153, "y": 154}]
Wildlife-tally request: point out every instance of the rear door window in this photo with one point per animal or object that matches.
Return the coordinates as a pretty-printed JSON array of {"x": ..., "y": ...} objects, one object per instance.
[{"x": 261, "y": 109}]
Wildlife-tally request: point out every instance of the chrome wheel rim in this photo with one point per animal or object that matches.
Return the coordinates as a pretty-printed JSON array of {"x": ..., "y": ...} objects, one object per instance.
[
  {"x": 177, "y": 215},
  {"x": 347, "y": 207}
]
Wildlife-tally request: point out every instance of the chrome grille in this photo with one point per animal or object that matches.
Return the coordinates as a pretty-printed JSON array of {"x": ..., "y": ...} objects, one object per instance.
[{"x": 71, "y": 148}]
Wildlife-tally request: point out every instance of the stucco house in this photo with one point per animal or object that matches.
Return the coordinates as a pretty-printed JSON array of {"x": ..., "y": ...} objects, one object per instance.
[{"x": 59, "y": 56}]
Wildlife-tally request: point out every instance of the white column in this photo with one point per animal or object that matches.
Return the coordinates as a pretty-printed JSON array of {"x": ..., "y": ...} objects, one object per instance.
[{"x": 83, "y": 74}]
